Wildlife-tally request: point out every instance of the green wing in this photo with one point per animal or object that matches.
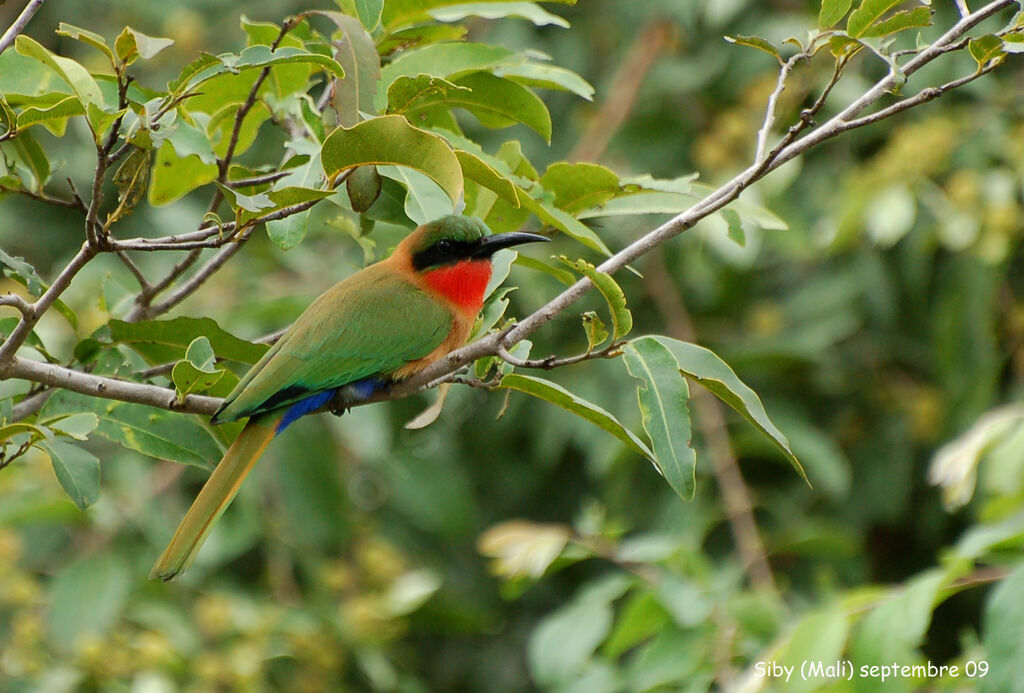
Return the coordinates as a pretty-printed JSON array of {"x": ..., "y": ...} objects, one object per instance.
[{"x": 370, "y": 324}]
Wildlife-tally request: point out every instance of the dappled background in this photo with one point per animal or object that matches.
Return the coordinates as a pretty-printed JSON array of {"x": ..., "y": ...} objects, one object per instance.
[{"x": 879, "y": 322}]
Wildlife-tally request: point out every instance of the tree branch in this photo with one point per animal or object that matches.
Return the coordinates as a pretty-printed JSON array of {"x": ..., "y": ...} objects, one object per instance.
[
  {"x": 19, "y": 24},
  {"x": 109, "y": 388}
]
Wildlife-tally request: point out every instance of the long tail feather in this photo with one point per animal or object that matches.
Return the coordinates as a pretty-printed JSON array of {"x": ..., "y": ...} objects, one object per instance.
[{"x": 215, "y": 496}]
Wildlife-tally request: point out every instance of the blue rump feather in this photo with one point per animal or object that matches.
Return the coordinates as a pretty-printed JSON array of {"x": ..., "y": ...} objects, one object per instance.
[{"x": 361, "y": 389}]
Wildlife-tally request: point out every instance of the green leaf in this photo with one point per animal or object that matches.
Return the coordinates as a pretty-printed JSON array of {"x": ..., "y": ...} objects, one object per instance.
[
  {"x": 29, "y": 159},
  {"x": 736, "y": 233},
  {"x": 758, "y": 43},
  {"x": 545, "y": 76},
  {"x": 420, "y": 93},
  {"x": 86, "y": 597},
  {"x": 131, "y": 179},
  {"x": 480, "y": 172},
  {"x": 904, "y": 19},
  {"x": 25, "y": 272},
  {"x": 867, "y": 14},
  {"x": 174, "y": 176},
  {"x": 260, "y": 56},
  {"x": 832, "y": 11},
  {"x": 596, "y": 332},
  {"x": 749, "y": 212},
  {"x": 402, "y": 13},
  {"x": 666, "y": 417},
  {"x": 77, "y": 426},
  {"x": 363, "y": 187},
  {"x": 356, "y": 53},
  {"x": 288, "y": 232},
  {"x": 622, "y": 319},
  {"x": 85, "y": 36},
  {"x": 165, "y": 341},
  {"x": 529, "y": 11},
  {"x": 498, "y": 102},
  {"x": 561, "y": 275},
  {"x": 564, "y": 222},
  {"x": 197, "y": 372},
  {"x": 77, "y": 470},
  {"x": 986, "y": 48},
  {"x": 161, "y": 434},
  {"x": 580, "y": 186},
  {"x": 556, "y": 394},
  {"x": 424, "y": 200},
  {"x": 369, "y": 12},
  {"x": 392, "y": 140},
  {"x": 53, "y": 117},
  {"x": 565, "y": 639},
  {"x": 70, "y": 72},
  {"x": 132, "y": 45},
  {"x": 704, "y": 366},
  {"x": 440, "y": 60},
  {"x": 820, "y": 636},
  {"x": 1003, "y": 635}
]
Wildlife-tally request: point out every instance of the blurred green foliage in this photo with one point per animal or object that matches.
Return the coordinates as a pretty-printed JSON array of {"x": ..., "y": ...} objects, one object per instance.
[{"x": 511, "y": 546}]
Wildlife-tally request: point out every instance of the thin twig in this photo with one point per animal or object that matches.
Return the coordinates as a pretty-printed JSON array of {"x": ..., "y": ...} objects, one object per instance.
[
  {"x": 761, "y": 151},
  {"x": 16, "y": 301},
  {"x": 19, "y": 24},
  {"x": 552, "y": 362}
]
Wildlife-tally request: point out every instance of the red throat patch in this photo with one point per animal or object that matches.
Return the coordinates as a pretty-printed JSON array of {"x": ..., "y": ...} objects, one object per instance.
[{"x": 463, "y": 283}]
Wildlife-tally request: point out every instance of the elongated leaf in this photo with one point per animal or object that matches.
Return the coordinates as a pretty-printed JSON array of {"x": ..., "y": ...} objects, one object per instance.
[
  {"x": 424, "y": 200},
  {"x": 832, "y": 11},
  {"x": 392, "y": 140},
  {"x": 556, "y": 394},
  {"x": 161, "y": 434},
  {"x": 60, "y": 111},
  {"x": 1004, "y": 635},
  {"x": 530, "y": 11},
  {"x": 73, "y": 74},
  {"x": 758, "y": 43},
  {"x": 355, "y": 52},
  {"x": 85, "y": 36},
  {"x": 564, "y": 222},
  {"x": 704, "y": 366},
  {"x": 77, "y": 470},
  {"x": 580, "y": 186},
  {"x": 904, "y": 19},
  {"x": 164, "y": 341},
  {"x": 480, "y": 172},
  {"x": 867, "y": 14},
  {"x": 402, "y": 13},
  {"x": 546, "y": 77},
  {"x": 622, "y": 319},
  {"x": 31, "y": 164},
  {"x": 498, "y": 102},
  {"x": 440, "y": 60},
  {"x": 663, "y": 395},
  {"x": 369, "y": 12}
]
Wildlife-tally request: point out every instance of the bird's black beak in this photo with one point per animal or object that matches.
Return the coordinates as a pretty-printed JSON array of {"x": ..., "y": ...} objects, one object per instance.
[{"x": 491, "y": 244}]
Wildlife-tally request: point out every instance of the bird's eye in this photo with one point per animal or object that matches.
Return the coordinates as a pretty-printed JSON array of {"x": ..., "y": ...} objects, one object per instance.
[{"x": 445, "y": 245}]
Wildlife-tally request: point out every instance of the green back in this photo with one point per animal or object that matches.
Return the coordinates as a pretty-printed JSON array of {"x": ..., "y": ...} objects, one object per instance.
[{"x": 370, "y": 324}]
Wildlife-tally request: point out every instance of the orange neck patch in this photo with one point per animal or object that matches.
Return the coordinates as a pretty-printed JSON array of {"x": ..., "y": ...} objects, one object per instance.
[{"x": 463, "y": 283}]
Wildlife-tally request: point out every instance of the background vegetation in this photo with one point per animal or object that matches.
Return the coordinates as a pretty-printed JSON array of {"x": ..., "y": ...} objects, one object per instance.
[{"x": 510, "y": 545}]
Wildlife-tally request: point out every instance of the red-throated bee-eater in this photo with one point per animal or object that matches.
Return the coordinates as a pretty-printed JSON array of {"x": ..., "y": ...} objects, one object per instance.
[{"x": 369, "y": 331}]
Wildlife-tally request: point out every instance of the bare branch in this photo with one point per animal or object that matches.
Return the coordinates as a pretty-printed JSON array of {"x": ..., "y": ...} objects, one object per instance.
[
  {"x": 761, "y": 151},
  {"x": 19, "y": 24},
  {"x": 109, "y": 388},
  {"x": 20, "y": 333},
  {"x": 16, "y": 301},
  {"x": 198, "y": 279}
]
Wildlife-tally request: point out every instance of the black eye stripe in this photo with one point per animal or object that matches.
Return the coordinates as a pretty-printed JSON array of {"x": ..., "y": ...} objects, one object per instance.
[{"x": 445, "y": 251}]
